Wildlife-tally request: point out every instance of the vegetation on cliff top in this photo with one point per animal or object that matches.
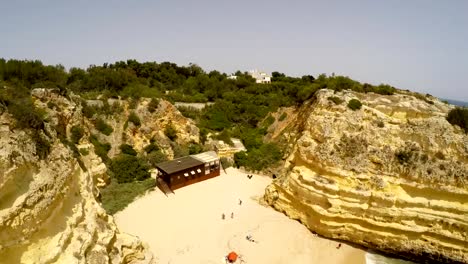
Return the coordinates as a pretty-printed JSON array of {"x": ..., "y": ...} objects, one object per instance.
[
  {"x": 133, "y": 118},
  {"x": 103, "y": 127},
  {"x": 129, "y": 168},
  {"x": 76, "y": 134},
  {"x": 238, "y": 106},
  {"x": 354, "y": 104},
  {"x": 18, "y": 102},
  {"x": 241, "y": 108},
  {"x": 459, "y": 117}
]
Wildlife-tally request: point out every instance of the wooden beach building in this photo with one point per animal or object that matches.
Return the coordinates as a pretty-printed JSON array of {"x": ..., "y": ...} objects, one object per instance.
[{"x": 184, "y": 171}]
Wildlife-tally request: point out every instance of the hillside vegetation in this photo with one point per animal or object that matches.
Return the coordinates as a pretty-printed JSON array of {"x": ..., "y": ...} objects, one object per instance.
[{"x": 238, "y": 106}]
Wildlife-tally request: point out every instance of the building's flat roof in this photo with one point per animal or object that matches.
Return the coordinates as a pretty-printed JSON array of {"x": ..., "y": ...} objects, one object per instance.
[
  {"x": 205, "y": 157},
  {"x": 179, "y": 164}
]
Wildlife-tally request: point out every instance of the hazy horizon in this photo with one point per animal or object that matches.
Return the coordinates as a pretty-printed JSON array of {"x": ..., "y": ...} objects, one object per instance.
[{"x": 417, "y": 45}]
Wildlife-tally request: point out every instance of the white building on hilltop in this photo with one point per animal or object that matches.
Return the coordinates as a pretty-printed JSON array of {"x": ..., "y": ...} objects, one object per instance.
[{"x": 260, "y": 77}]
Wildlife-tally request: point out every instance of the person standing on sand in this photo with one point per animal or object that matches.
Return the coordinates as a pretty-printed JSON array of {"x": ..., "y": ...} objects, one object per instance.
[
  {"x": 232, "y": 215},
  {"x": 240, "y": 202},
  {"x": 223, "y": 216}
]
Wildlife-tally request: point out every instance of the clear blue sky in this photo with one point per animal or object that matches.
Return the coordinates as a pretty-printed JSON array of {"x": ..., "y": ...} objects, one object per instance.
[{"x": 421, "y": 45}]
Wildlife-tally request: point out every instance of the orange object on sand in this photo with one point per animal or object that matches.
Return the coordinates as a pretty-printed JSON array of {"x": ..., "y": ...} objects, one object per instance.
[{"x": 232, "y": 257}]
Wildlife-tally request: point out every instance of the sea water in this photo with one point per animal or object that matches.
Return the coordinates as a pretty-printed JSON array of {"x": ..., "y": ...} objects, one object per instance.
[
  {"x": 455, "y": 102},
  {"x": 374, "y": 258}
]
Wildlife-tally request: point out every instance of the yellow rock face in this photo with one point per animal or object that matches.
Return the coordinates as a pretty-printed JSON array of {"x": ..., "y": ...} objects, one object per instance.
[
  {"x": 391, "y": 176},
  {"x": 48, "y": 208}
]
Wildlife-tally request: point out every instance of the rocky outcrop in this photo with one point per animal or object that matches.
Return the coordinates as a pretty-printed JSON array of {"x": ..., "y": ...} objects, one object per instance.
[
  {"x": 391, "y": 176},
  {"x": 153, "y": 125},
  {"x": 48, "y": 209}
]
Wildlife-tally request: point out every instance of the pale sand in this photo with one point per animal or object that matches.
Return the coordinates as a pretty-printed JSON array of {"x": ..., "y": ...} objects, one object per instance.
[{"x": 186, "y": 227}]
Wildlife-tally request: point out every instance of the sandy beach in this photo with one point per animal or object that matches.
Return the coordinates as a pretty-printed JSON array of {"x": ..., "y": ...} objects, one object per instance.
[{"x": 187, "y": 226}]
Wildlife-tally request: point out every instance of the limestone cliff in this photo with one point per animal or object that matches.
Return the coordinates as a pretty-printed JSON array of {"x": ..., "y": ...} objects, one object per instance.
[
  {"x": 48, "y": 207},
  {"x": 392, "y": 176}
]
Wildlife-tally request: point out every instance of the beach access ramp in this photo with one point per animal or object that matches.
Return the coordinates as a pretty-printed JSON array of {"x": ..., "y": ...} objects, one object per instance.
[{"x": 162, "y": 185}]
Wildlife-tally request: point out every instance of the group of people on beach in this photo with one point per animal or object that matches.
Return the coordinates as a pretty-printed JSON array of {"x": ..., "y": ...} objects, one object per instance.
[{"x": 223, "y": 216}]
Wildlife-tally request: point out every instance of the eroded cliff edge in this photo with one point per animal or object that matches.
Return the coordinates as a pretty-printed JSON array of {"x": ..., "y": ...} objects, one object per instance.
[
  {"x": 49, "y": 211},
  {"x": 391, "y": 176}
]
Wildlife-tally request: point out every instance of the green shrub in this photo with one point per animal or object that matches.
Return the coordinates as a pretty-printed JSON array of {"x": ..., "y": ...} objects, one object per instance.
[
  {"x": 90, "y": 95},
  {"x": 282, "y": 116},
  {"x": 115, "y": 197},
  {"x": 258, "y": 159},
  {"x": 17, "y": 101},
  {"x": 268, "y": 121},
  {"x": 419, "y": 96},
  {"x": 153, "y": 105},
  {"x": 354, "y": 104},
  {"x": 170, "y": 132},
  {"x": 176, "y": 96},
  {"x": 106, "y": 94},
  {"x": 26, "y": 114},
  {"x": 108, "y": 110},
  {"x": 84, "y": 152},
  {"x": 189, "y": 112},
  {"x": 151, "y": 147},
  {"x": 88, "y": 110},
  {"x": 155, "y": 157},
  {"x": 203, "y": 135},
  {"x": 384, "y": 89},
  {"x": 194, "y": 148},
  {"x": 423, "y": 97},
  {"x": 179, "y": 150},
  {"x": 335, "y": 100},
  {"x": 459, "y": 117},
  {"x": 71, "y": 146},
  {"x": 306, "y": 92},
  {"x": 128, "y": 168},
  {"x": 76, "y": 134},
  {"x": 137, "y": 90},
  {"x": 225, "y": 136},
  {"x": 132, "y": 117},
  {"x": 103, "y": 127},
  {"x": 116, "y": 108},
  {"x": 101, "y": 149},
  {"x": 127, "y": 149},
  {"x": 252, "y": 138}
]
